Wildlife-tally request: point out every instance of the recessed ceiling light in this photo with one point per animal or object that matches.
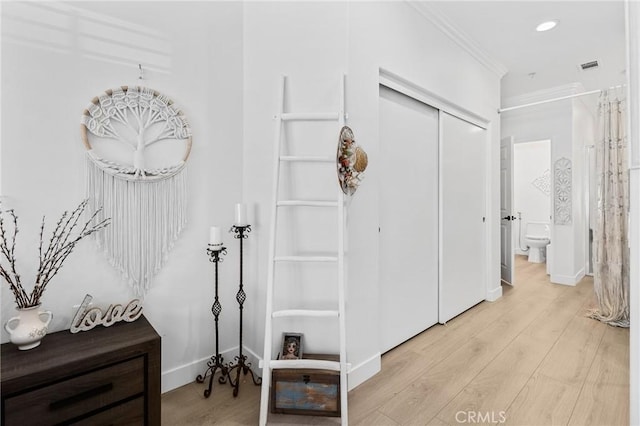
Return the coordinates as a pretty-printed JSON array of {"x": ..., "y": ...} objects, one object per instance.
[{"x": 546, "y": 26}]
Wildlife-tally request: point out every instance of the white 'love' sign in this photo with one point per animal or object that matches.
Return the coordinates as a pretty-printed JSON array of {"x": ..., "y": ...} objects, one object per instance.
[{"x": 85, "y": 320}]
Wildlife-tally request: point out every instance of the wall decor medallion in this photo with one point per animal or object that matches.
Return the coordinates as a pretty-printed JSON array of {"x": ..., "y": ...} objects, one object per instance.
[
  {"x": 137, "y": 144},
  {"x": 543, "y": 183},
  {"x": 562, "y": 190}
]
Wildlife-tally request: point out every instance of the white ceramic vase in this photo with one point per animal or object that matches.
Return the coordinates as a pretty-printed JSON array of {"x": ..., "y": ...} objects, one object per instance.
[{"x": 28, "y": 328}]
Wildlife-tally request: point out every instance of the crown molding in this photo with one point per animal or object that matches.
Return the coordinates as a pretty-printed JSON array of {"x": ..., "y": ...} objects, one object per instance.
[
  {"x": 445, "y": 25},
  {"x": 544, "y": 94}
]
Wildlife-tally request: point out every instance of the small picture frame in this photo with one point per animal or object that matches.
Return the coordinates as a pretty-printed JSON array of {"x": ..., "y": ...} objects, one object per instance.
[{"x": 291, "y": 347}]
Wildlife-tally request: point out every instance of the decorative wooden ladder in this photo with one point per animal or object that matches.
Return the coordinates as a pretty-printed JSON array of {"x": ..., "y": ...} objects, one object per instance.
[{"x": 268, "y": 364}]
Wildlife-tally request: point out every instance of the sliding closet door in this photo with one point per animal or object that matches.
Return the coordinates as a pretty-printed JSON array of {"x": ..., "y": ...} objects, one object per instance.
[
  {"x": 408, "y": 217},
  {"x": 463, "y": 153}
]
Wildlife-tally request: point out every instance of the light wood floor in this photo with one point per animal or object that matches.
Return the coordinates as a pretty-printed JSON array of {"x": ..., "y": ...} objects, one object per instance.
[{"x": 530, "y": 358}]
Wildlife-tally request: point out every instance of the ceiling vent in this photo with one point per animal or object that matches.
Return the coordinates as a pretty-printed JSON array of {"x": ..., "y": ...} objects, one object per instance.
[{"x": 589, "y": 65}]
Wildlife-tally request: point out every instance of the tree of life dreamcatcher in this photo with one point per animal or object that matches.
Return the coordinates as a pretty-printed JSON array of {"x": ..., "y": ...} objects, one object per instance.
[{"x": 137, "y": 145}]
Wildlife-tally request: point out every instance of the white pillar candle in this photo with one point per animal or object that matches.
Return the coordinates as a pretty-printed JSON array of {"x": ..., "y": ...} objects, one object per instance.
[
  {"x": 241, "y": 215},
  {"x": 215, "y": 236}
]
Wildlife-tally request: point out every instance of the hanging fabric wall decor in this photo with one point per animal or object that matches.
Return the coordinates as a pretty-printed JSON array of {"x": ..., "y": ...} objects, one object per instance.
[
  {"x": 611, "y": 256},
  {"x": 137, "y": 145}
]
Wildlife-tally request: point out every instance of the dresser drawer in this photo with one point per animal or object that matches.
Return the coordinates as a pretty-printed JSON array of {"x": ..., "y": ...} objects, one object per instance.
[
  {"x": 130, "y": 413},
  {"x": 77, "y": 396}
]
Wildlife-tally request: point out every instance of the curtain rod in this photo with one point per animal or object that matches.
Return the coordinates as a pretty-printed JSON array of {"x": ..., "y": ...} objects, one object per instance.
[{"x": 575, "y": 95}]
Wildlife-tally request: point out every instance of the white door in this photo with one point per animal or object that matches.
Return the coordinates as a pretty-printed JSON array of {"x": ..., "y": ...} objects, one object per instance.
[
  {"x": 506, "y": 217},
  {"x": 408, "y": 217},
  {"x": 463, "y": 251}
]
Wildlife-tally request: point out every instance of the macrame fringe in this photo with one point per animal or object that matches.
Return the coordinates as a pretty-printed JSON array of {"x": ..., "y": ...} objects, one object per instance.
[
  {"x": 147, "y": 218},
  {"x": 611, "y": 258},
  {"x": 607, "y": 319}
]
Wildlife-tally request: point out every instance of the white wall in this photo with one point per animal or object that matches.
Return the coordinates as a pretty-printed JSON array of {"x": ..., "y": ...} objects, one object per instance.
[
  {"x": 530, "y": 162},
  {"x": 632, "y": 12},
  {"x": 555, "y": 121},
  {"x": 221, "y": 62},
  {"x": 582, "y": 130},
  {"x": 55, "y": 58},
  {"x": 584, "y": 134},
  {"x": 313, "y": 43}
]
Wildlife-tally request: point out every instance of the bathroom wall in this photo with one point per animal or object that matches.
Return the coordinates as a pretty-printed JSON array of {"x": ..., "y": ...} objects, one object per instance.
[
  {"x": 531, "y": 187},
  {"x": 555, "y": 121}
]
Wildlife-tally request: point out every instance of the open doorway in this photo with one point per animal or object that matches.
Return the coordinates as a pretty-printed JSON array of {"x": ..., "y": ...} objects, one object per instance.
[{"x": 532, "y": 202}]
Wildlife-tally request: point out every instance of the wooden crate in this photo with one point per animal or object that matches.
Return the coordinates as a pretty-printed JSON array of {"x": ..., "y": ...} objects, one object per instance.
[{"x": 307, "y": 392}]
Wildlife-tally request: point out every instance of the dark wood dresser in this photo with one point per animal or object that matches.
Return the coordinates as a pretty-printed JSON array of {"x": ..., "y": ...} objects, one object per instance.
[{"x": 105, "y": 376}]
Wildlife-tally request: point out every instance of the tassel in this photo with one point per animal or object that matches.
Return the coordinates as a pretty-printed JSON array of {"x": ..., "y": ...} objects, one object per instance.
[{"x": 147, "y": 218}]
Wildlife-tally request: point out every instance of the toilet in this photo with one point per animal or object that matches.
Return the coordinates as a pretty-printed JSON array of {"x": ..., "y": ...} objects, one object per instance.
[{"x": 537, "y": 239}]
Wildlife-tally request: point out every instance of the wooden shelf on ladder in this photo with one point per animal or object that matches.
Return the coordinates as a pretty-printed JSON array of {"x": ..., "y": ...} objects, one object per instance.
[{"x": 268, "y": 364}]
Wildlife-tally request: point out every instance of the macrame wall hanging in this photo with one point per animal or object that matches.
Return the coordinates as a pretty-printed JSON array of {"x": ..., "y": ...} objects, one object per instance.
[{"x": 137, "y": 145}]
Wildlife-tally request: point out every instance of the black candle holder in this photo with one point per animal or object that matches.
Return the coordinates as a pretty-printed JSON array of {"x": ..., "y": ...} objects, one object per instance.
[
  {"x": 241, "y": 363},
  {"x": 216, "y": 362}
]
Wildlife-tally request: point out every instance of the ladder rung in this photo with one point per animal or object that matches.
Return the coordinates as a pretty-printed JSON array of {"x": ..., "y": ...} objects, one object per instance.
[
  {"x": 306, "y": 259},
  {"x": 261, "y": 363},
  {"x": 316, "y": 364},
  {"x": 304, "y": 313},
  {"x": 308, "y": 203},
  {"x": 308, "y": 158},
  {"x": 310, "y": 116}
]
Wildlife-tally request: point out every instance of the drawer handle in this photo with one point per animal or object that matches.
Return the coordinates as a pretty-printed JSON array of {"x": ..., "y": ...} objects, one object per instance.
[
  {"x": 80, "y": 397},
  {"x": 306, "y": 379}
]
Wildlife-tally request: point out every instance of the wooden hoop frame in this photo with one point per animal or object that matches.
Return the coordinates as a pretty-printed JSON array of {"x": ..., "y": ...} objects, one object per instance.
[{"x": 84, "y": 130}]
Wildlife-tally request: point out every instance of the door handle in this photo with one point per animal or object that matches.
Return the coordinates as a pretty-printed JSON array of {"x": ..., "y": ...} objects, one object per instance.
[{"x": 509, "y": 218}]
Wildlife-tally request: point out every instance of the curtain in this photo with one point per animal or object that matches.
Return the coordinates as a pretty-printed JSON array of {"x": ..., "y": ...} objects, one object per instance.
[{"x": 610, "y": 245}]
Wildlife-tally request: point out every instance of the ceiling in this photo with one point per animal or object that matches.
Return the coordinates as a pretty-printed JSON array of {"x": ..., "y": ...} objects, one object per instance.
[{"x": 505, "y": 30}]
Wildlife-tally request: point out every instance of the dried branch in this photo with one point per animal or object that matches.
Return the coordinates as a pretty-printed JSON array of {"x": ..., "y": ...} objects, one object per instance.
[
  {"x": 8, "y": 252},
  {"x": 62, "y": 242},
  {"x": 63, "y": 245}
]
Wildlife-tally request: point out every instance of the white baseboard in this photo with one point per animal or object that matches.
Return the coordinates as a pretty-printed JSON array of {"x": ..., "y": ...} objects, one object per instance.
[
  {"x": 494, "y": 294},
  {"x": 571, "y": 280},
  {"x": 365, "y": 370},
  {"x": 187, "y": 373}
]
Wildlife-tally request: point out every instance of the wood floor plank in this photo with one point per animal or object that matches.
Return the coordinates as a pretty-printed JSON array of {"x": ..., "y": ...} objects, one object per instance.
[
  {"x": 611, "y": 364},
  {"x": 554, "y": 319},
  {"x": 496, "y": 320},
  {"x": 604, "y": 398},
  {"x": 570, "y": 359},
  {"x": 551, "y": 394},
  {"x": 427, "y": 395},
  {"x": 188, "y": 406},
  {"x": 602, "y": 404},
  {"x": 532, "y": 351},
  {"x": 398, "y": 370},
  {"x": 496, "y": 386},
  {"x": 436, "y": 421},
  {"x": 543, "y": 401},
  {"x": 376, "y": 418}
]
